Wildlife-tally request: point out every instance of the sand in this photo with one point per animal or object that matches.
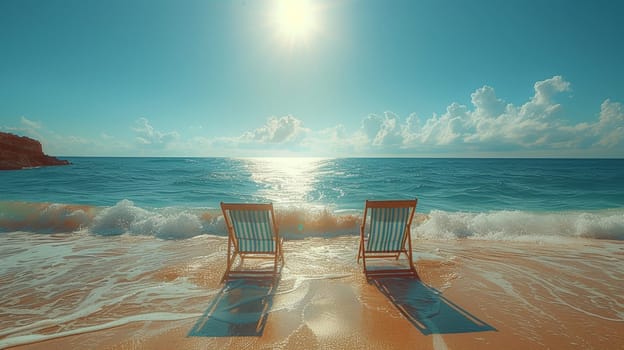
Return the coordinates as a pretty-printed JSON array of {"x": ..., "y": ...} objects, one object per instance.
[{"x": 470, "y": 295}]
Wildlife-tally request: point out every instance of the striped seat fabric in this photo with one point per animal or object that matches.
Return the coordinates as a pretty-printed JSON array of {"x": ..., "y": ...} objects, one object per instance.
[
  {"x": 387, "y": 229},
  {"x": 385, "y": 234},
  {"x": 253, "y": 230},
  {"x": 252, "y": 233}
]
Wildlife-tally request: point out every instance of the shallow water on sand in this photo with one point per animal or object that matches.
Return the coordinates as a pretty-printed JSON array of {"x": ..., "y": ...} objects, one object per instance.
[{"x": 86, "y": 291}]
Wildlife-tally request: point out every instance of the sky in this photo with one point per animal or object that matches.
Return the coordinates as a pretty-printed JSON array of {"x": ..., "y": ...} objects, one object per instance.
[{"x": 342, "y": 78}]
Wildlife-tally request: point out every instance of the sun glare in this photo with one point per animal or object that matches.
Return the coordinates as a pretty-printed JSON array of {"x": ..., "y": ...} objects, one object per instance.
[
  {"x": 295, "y": 20},
  {"x": 285, "y": 180}
]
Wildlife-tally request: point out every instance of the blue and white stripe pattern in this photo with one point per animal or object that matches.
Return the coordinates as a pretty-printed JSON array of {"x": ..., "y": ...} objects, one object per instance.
[
  {"x": 387, "y": 229},
  {"x": 253, "y": 230}
]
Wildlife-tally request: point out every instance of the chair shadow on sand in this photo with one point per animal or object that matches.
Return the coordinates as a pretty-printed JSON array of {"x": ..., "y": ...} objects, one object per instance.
[
  {"x": 240, "y": 309},
  {"x": 426, "y": 308}
]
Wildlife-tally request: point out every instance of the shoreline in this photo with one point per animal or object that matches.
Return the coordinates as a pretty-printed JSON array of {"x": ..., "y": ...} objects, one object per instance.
[{"x": 471, "y": 294}]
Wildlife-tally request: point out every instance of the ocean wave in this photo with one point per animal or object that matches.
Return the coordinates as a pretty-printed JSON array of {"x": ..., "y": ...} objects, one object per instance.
[
  {"x": 298, "y": 222},
  {"x": 44, "y": 217},
  {"x": 520, "y": 225},
  {"x": 125, "y": 217}
]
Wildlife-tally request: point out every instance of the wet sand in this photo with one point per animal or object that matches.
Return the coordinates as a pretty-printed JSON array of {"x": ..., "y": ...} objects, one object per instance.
[{"x": 471, "y": 295}]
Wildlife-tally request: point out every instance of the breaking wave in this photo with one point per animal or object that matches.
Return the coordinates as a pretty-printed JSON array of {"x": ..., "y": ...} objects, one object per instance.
[
  {"x": 296, "y": 222},
  {"x": 518, "y": 225}
]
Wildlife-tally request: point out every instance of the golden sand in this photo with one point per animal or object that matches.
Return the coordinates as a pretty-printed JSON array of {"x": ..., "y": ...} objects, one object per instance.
[{"x": 471, "y": 295}]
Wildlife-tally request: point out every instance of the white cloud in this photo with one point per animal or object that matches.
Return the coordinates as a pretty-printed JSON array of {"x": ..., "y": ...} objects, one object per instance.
[
  {"x": 278, "y": 136},
  {"x": 383, "y": 131},
  {"x": 487, "y": 126},
  {"x": 486, "y": 103},
  {"x": 276, "y": 130},
  {"x": 491, "y": 125},
  {"x": 445, "y": 129},
  {"x": 545, "y": 90},
  {"x": 30, "y": 124},
  {"x": 26, "y": 127},
  {"x": 610, "y": 126},
  {"x": 497, "y": 123},
  {"x": 147, "y": 135}
]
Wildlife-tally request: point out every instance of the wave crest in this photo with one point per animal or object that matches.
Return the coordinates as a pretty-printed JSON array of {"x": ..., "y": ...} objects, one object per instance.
[
  {"x": 44, "y": 217},
  {"x": 125, "y": 217},
  {"x": 297, "y": 222},
  {"x": 510, "y": 225}
]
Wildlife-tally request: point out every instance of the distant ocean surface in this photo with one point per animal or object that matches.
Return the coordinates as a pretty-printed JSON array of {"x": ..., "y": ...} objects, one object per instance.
[{"x": 177, "y": 198}]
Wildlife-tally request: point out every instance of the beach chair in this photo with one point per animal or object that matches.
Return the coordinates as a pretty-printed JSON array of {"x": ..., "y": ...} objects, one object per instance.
[
  {"x": 387, "y": 234},
  {"x": 252, "y": 233}
]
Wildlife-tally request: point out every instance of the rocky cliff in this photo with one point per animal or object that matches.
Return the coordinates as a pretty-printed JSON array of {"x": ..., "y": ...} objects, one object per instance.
[{"x": 18, "y": 152}]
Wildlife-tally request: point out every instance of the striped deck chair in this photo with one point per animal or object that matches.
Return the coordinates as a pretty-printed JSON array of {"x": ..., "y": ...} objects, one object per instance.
[
  {"x": 252, "y": 233},
  {"x": 387, "y": 234}
]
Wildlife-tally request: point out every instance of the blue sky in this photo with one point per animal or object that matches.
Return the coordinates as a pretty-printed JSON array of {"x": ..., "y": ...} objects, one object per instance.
[{"x": 357, "y": 78}]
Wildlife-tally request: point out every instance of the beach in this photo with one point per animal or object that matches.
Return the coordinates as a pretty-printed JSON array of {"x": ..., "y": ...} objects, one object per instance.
[
  {"x": 128, "y": 253},
  {"x": 471, "y": 294}
]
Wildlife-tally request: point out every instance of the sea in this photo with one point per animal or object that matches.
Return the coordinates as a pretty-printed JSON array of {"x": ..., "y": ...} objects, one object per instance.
[
  {"x": 178, "y": 198},
  {"x": 110, "y": 244}
]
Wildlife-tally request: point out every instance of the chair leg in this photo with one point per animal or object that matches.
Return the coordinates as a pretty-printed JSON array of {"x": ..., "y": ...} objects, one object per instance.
[
  {"x": 230, "y": 261},
  {"x": 364, "y": 262},
  {"x": 410, "y": 256},
  {"x": 279, "y": 256},
  {"x": 362, "y": 255},
  {"x": 360, "y": 251},
  {"x": 275, "y": 263}
]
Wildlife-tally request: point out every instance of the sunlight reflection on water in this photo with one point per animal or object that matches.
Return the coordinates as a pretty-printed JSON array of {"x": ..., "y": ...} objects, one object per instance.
[{"x": 285, "y": 180}]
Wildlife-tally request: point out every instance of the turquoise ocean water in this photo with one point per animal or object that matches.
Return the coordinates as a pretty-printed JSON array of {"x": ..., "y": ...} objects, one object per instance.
[{"x": 179, "y": 197}]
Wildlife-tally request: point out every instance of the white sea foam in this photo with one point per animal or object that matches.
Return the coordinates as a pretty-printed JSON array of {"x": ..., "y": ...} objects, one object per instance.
[
  {"x": 521, "y": 225},
  {"x": 297, "y": 222},
  {"x": 52, "y": 282},
  {"x": 71, "y": 284},
  {"x": 125, "y": 217},
  {"x": 34, "y": 338}
]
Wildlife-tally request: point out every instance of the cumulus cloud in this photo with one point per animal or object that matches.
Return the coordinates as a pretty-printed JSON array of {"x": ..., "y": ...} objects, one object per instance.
[
  {"x": 486, "y": 102},
  {"x": 610, "y": 126},
  {"x": 492, "y": 125},
  {"x": 277, "y": 136},
  {"x": 492, "y": 122},
  {"x": 489, "y": 125},
  {"x": 545, "y": 90},
  {"x": 276, "y": 130},
  {"x": 445, "y": 129},
  {"x": 384, "y": 130},
  {"x": 541, "y": 105},
  {"x": 147, "y": 135}
]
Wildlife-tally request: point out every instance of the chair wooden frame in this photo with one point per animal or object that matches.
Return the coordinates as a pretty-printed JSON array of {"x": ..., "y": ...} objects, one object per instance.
[
  {"x": 234, "y": 248},
  {"x": 365, "y": 253}
]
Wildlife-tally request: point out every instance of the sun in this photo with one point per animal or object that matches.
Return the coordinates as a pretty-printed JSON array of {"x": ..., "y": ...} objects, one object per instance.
[{"x": 295, "y": 21}]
